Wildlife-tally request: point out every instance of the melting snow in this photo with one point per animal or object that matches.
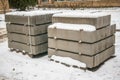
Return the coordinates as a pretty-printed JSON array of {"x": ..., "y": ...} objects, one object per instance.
[
  {"x": 84, "y": 27},
  {"x": 32, "y": 13},
  {"x": 79, "y": 14}
]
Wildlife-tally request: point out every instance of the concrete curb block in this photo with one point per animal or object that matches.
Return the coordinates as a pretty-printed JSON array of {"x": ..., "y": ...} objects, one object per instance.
[
  {"x": 84, "y": 36},
  {"x": 91, "y": 62},
  {"x": 30, "y": 50},
  {"x": 81, "y": 48},
  {"x": 98, "y": 22}
]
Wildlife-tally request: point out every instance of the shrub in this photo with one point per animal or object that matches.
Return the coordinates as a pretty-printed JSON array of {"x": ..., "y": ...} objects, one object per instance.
[{"x": 22, "y": 4}]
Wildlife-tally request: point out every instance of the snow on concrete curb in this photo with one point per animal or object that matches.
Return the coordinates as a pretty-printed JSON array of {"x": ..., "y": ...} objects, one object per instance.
[
  {"x": 32, "y": 13},
  {"x": 69, "y": 61},
  {"x": 84, "y": 27},
  {"x": 78, "y": 14}
]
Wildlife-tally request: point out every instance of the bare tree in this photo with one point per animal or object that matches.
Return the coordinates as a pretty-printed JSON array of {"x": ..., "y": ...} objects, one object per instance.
[{"x": 4, "y": 5}]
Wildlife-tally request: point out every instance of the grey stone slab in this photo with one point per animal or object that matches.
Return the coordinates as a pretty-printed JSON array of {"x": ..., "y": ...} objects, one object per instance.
[
  {"x": 16, "y": 19},
  {"x": 98, "y": 22},
  {"x": 90, "y": 61},
  {"x": 33, "y": 40},
  {"x": 35, "y": 30},
  {"x": 29, "y": 20},
  {"x": 81, "y": 48},
  {"x": 83, "y": 36},
  {"x": 44, "y": 19},
  {"x": 38, "y": 49}
]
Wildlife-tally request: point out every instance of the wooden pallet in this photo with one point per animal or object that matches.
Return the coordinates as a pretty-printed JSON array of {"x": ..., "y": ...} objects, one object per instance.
[
  {"x": 3, "y": 31},
  {"x": 118, "y": 30},
  {"x": 74, "y": 66},
  {"x": 3, "y": 34},
  {"x": 23, "y": 52}
]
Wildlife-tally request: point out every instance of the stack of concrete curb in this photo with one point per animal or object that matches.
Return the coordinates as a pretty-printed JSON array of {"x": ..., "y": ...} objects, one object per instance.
[
  {"x": 28, "y": 33},
  {"x": 90, "y": 47}
]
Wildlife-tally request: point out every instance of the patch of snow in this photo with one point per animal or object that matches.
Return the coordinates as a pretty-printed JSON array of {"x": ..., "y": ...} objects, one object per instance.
[
  {"x": 79, "y": 14},
  {"x": 2, "y": 21},
  {"x": 69, "y": 61},
  {"x": 32, "y": 13},
  {"x": 84, "y": 27},
  {"x": 115, "y": 19},
  {"x": 2, "y": 17},
  {"x": 2, "y": 24}
]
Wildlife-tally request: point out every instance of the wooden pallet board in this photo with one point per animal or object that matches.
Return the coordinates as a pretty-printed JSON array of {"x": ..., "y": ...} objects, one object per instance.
[
  {"x": 74, "y": 66},
  {"x": 23, "y": 52}
]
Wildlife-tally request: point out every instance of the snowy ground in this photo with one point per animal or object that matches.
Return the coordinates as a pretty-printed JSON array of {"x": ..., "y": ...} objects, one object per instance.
[
  {"x": 2, "y": 22},
  {"x": 14, "y": 66}
]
